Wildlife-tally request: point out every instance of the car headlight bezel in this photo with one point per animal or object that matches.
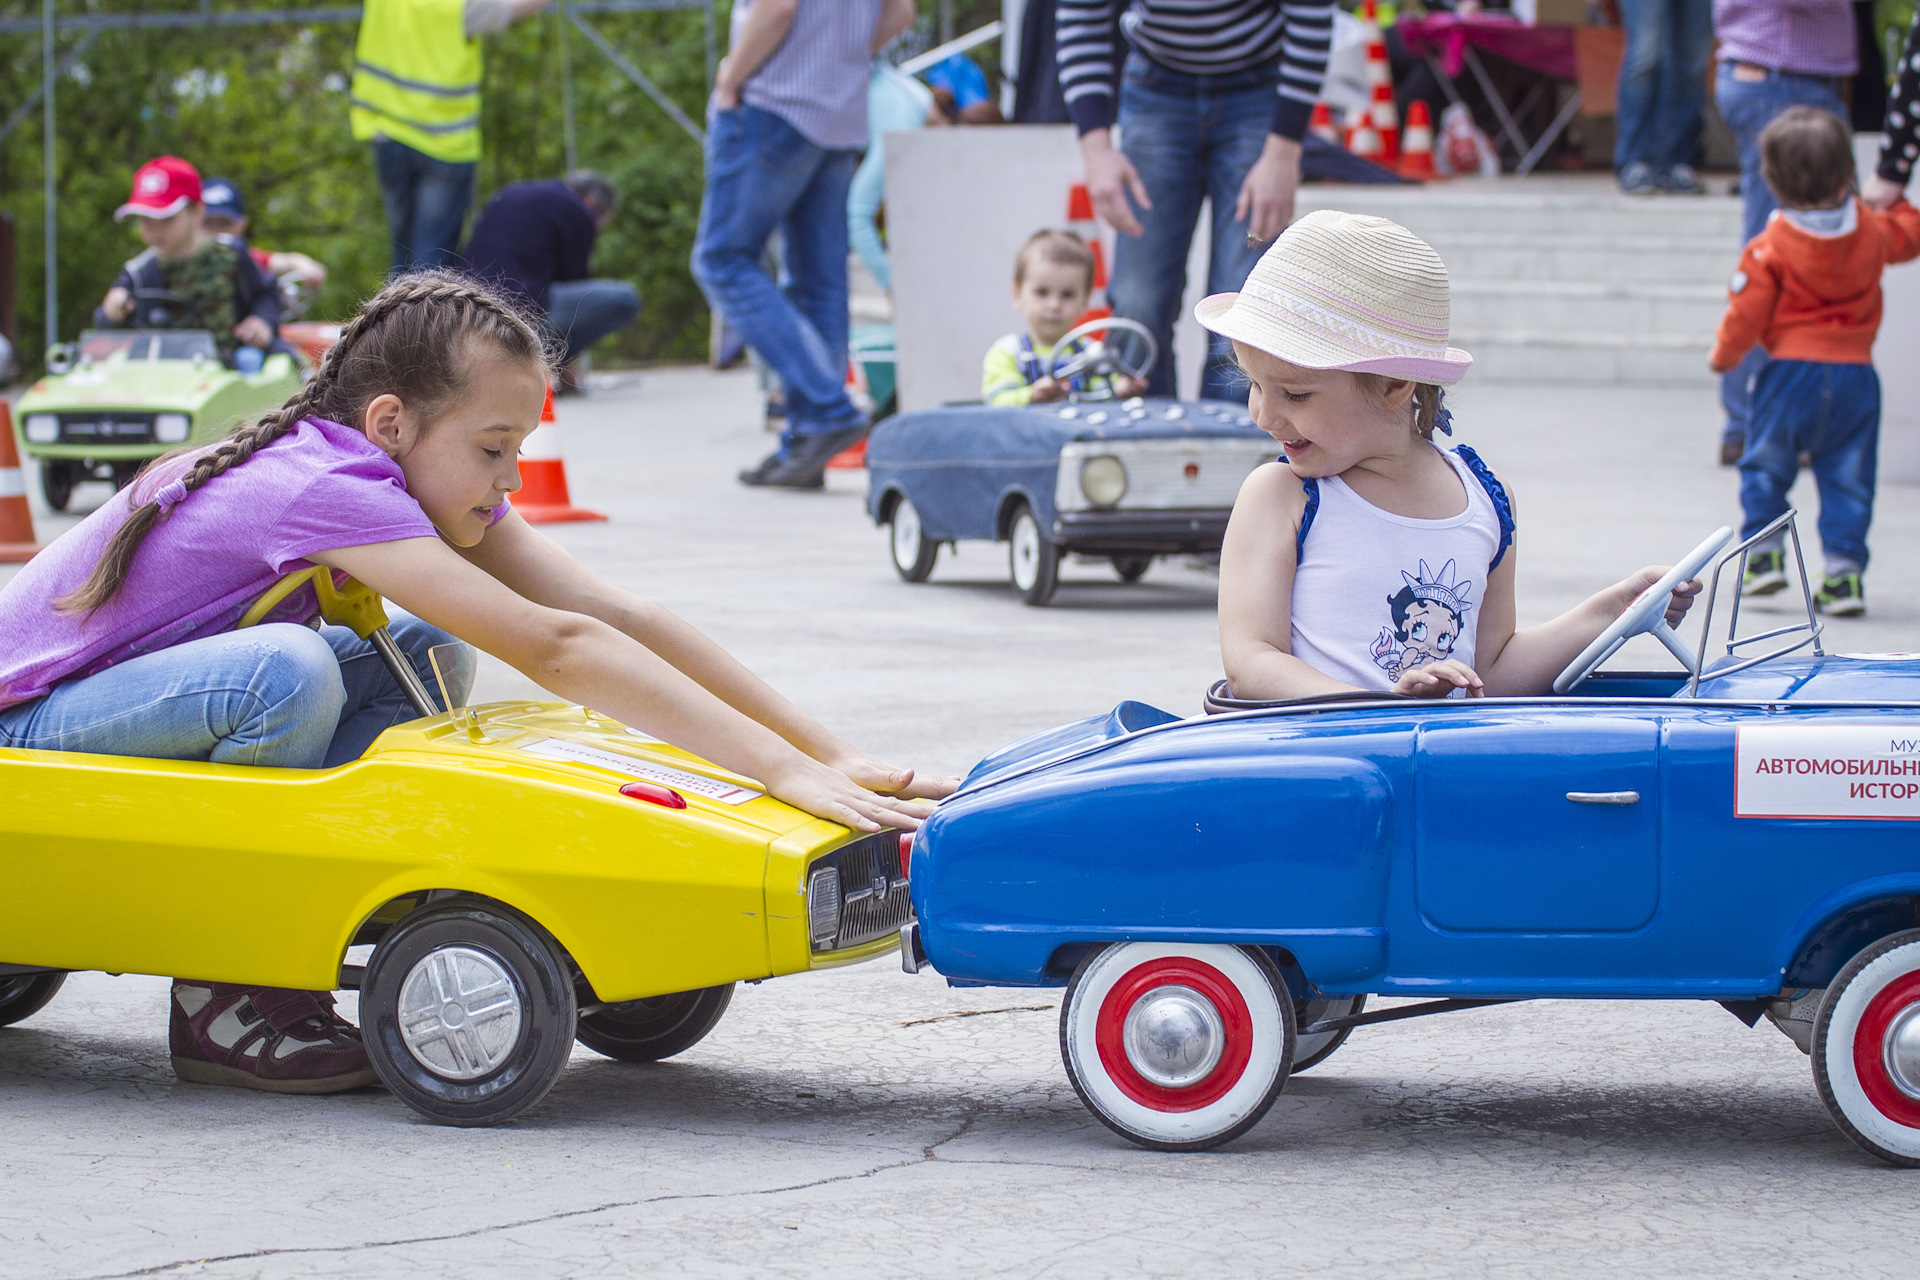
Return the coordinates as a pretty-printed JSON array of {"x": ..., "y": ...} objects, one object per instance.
[
  {"x": 1103, "y": 479},
  {"x": 172, "y": 428},
  {"x": 41, "y": 428}
]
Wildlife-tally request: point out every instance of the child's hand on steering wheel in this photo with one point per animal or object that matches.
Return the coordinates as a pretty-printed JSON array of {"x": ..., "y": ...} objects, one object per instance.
[
  {"x": 1046, "y": 391},
  {"x": 1125, "y": 386},
  {"x": 1438, "y": 679},
  {"x": 254, "y": 331},
  {"x": 1682, "y": 600}
]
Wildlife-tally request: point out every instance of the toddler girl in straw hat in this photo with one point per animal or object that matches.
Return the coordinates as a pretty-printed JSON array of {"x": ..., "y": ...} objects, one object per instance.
[{"x": 1367, "y": 557}]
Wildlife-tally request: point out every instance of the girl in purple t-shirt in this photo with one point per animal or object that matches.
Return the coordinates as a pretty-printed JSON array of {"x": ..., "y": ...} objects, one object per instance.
[{"x": 394, "y": 465}]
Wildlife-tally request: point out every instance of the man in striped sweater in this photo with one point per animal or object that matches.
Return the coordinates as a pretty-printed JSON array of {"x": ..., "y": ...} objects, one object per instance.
[{"x": 1212, "y": 98}]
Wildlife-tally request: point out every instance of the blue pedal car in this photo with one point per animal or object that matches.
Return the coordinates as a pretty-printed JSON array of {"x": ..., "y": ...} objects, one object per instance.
[{"x": 1220, "y": 895}]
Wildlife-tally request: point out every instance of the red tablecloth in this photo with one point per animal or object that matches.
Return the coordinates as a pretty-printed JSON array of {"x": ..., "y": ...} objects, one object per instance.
[{"x": 1548, "y": 50}]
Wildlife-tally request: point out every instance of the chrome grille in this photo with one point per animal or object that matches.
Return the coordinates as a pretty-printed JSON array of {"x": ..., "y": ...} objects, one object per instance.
[
  {"x": 106, "y": 428},
  {"x": 873, "y": 900}
]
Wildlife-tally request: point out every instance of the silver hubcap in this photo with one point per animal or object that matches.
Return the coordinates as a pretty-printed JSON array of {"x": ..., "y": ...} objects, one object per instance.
[
  {"x": 1174, "y": 1037},
  {"x": 1025, "y": 551},
  {"x": 1901, "y": 1051},
  {"x": 906, "y": 534},
  {"x": 459, "y": 1013}
]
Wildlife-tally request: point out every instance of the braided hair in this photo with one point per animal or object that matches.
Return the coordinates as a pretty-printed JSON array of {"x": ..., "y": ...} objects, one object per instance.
[{"x": 416, "y": 339}]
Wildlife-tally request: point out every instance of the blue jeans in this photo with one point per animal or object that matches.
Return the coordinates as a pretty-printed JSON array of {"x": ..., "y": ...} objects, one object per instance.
[
  {"x": 1748, "y": 106},
  {"x": 1663, "y": 82},
  {"x": 764, "y": 175},
  {"x": 281, "y": 696},
  {"x": 581, "y": 312},
  {"x": 1831, "y": 412},
  {"x": 1192, "y": 138},
  {"x": 426, "y": 202}
]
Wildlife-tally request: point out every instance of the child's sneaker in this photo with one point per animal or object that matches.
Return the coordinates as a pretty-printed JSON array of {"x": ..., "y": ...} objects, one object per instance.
[
  {"x": 1766, "y": 573},
  {"x": 264, "y": 1038},
  {"x": 1841, "y": 595}
]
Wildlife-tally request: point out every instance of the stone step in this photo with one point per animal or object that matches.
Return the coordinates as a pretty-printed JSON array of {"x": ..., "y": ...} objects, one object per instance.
[
  {"x": 1629, "y": 308},
  {"x": 1587, "y": 208},
  {"x": 1586, "y": 357}
]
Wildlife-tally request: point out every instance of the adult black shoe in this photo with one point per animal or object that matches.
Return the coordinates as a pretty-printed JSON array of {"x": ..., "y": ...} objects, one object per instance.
[
  {"x": 805, "y": 465},
  {"x": 776, "y": 472}
]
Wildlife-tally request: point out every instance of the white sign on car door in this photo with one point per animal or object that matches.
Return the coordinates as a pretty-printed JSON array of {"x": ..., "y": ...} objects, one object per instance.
[{"x": 1867, "y": 771}]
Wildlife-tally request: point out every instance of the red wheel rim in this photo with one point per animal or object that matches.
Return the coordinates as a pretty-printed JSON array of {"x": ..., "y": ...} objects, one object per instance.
[
  {"x": 1235, "y": 1019},
  {"x": 1869, "y": 1041}
]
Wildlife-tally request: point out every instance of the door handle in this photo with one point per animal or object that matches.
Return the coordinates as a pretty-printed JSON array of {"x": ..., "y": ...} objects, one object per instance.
[{"x": 1604, "y": 797}]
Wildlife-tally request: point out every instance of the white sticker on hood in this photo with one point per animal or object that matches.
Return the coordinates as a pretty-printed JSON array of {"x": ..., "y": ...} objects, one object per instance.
[
  {"x": 1862, "y": 771},
  {"x": 679, "y": 779}
]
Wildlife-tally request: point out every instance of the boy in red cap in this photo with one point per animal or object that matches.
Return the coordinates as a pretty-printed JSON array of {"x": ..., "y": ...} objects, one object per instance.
[{"x": 214, "y": 282}]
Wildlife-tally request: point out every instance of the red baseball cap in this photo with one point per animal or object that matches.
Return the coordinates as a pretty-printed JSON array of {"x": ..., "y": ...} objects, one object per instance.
[{"x": 161, "y": 188}]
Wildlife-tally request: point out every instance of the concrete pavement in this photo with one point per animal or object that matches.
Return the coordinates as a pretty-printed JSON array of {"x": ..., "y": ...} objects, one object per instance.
[{"x": 864, "y": 1120}]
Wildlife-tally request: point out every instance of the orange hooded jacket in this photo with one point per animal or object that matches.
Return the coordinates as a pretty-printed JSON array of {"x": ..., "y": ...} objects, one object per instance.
[{"x": 1809, "y": 297}]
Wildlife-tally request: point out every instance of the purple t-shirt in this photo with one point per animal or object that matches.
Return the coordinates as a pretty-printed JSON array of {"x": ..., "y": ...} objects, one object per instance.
[{"x": 319, "y": 487}]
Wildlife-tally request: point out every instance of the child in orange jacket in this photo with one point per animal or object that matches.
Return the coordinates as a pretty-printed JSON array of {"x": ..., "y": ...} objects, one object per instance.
[{"x": 1808, "y": 290}]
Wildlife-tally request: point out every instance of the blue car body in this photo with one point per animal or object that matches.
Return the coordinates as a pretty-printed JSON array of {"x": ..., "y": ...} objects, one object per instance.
[{"x": 1434, "y": 847}]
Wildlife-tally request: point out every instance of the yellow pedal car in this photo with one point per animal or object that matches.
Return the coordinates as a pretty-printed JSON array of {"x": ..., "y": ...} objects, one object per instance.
[{"x": 525, "y": 873}]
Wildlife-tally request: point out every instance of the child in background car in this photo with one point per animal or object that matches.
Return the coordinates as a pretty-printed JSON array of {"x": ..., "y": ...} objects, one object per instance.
[
  {"x": 1052, "y": 280},
  {"x": 224, "y": 213},
  {"x": 1808, "y": 290},
  {"x": 216, "y": 282}
]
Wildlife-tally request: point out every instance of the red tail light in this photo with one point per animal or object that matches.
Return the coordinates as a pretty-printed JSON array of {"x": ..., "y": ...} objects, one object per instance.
[{"x": 906, "y": 852}]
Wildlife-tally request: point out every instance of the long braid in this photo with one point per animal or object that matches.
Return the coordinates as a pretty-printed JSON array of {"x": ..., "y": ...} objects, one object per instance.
[{"x": 439, "y": 313}]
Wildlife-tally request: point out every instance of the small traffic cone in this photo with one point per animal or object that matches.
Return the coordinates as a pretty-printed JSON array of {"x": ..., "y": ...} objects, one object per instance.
[
  {"x": 1370, "y": 13},
  {"x": 1321, "y": 125},
  {"x": 1085, "y": 223},
  {"x": 1385, "y": 118},
  {"x": 543, "y": 497},
  {"x": 1416, "y": 157},
  {"x": 854, "y": 458},
  {"x": 16, "y": 518},
  {"x": 1364, "y": 140}
]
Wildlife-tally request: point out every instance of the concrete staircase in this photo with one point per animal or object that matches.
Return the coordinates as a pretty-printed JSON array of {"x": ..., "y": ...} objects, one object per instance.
[{"x": 1559, "y": 278}]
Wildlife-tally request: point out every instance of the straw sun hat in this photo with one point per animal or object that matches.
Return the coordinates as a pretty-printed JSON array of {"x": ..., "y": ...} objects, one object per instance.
[{"x": 1345, "y": 291}]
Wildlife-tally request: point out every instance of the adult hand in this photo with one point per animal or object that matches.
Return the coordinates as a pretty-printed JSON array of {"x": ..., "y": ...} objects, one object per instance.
[
  {"x": 118, "y": 304},
  {"x": 1628, "y": 589},
  {"x": 1438, "y": 679},
  {"x": 1878, "y": 193},
  {"x": 1111, "y": 177},
  {"x": 254, "y": 331},
  {"x": 1266, "y": 196},
  {"x": 726, "y": 91},
  {"x": 901, "y": 784},
  {"x": 826, "y": 792}
]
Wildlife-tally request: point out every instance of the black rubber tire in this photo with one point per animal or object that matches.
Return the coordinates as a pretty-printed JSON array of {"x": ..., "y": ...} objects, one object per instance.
[
  {"x": 1023, "y": 531},
  {"x": 24, "y": 994},
  {"x": 124, "y": 473},
  {"x": 543, "y": 981},
  {"x": 1311, "y": 1051},
  {"x": 57, "y": 478},
  {"x": 913, "y": 564},
  {"x": 1132, "y": 568},
  {"x": 655, "y": 1028}
]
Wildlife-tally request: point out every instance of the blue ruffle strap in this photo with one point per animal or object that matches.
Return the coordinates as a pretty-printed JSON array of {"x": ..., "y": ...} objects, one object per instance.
[
  {"x": 1502, "y": 505},
  {"x": 1311, "y": 488}
]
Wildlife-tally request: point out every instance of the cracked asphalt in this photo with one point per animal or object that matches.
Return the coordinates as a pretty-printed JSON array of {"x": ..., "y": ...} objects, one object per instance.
[{"x": 850, "y": 1121}]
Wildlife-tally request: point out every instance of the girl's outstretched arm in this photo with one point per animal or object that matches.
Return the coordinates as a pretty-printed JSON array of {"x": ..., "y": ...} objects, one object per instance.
[
  {"x": 537, "y": 567},
  {"x": 587, "y": 660}
]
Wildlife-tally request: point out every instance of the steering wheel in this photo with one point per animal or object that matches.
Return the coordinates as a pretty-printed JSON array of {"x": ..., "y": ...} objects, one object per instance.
[
  {"x": 155, "y": 308},
  {"x": 1647, "y": 615},
  {"x": 1098, "y": 360}
]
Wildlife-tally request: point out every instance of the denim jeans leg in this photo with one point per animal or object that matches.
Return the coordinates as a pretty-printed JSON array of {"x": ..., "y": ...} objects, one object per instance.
[
  {"x": 815, "y": 245},
  {"x": 1789, "y": 400},
  {"x": 1157, "y": 133},
  {"x": 758, "y": 167},
  {"x": 1637, "y": 96},
  {"x": 1846, "y": 453},
  {"x": 270, "y": 696},
  {"x": 374, "y": 700},
  {"x": 581, "y": 312},
  {"x": 393, "y": 162},
  {"x": 1683, "y": 83},
  {"x": 443, "y": 192},
  {"x": 1238, "y": 124}
]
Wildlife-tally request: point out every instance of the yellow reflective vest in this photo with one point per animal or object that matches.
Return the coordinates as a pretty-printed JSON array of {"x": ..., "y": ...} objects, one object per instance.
[{"x": 416, "y": 78}]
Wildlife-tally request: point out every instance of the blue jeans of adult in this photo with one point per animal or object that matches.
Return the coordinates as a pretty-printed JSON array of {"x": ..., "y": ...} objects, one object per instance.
[
  {"x": 1663, "y": 82},
  {"x": 426, "y": 202},
  {"x": 280, "y": 695},
  {"x": 581, "y": 312},
  {"x": 1749, "y": 106},
  {"x": 765, "y": 175},
  {"x": 1192, "y": 138},
  {"x": 1830, "y": 412}
]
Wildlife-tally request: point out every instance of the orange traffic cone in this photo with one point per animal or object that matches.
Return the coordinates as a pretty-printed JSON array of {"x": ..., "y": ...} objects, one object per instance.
[
  {"x": 1370, "y": 13},
  {"x": 16, "y": 519},
  {"x": 1321, "y": 124},
  {"x": 543, "y": 497},
  {"x": 1416, "y": 157},
  {"x": 1381, "y": 112},
  {"x": 1364, "y": 140},
  {"x": 855, "y": 457},
  {"x": 1085, "y": 223}
]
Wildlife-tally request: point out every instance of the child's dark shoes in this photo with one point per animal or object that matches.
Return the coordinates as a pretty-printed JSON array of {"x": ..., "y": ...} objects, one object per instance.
[{"x": 269, "y": 1038}]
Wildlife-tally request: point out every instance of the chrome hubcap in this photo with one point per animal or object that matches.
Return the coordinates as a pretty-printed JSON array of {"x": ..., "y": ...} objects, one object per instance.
[
  {"x": 1901, "y": 1051},
  {"x": 1173, "y": 1036},
  {"x": 906, "y": 534},
  {"x": 1026, "y": 552},
  {"x": 459, "y": 1013}
]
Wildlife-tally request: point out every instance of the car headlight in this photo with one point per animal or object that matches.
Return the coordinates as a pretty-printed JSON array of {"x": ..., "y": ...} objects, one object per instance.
[
  {"x": 172, "y": 428},
  {"x": 1103, "y": 478},
  {"x": 823, "y": 905},
  {"x": 43, "y": 428}
]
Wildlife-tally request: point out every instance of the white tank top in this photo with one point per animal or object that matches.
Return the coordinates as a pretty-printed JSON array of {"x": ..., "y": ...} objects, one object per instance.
[{"x": 1376, "y": 593}]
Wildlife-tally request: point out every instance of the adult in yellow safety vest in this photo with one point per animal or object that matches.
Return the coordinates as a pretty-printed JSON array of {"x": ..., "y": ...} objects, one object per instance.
[{"x": 416, "y": 98}]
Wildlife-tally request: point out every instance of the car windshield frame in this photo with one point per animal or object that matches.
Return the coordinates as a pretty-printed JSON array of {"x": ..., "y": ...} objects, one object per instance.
[{"x": 186, "y": 346}]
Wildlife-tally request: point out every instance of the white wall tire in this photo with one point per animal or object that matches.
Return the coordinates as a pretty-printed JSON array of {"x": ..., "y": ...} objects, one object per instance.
[
  {"x": 1033, "y": 562},
  {"x": 1866, "y": 1049},
  {"x": 1177, "y": 1047},
  {"x": 913, "y": 552}
]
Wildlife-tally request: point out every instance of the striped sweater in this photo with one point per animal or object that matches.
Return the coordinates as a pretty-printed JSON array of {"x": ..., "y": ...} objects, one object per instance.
[{"x": 1198, "y": 37}]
